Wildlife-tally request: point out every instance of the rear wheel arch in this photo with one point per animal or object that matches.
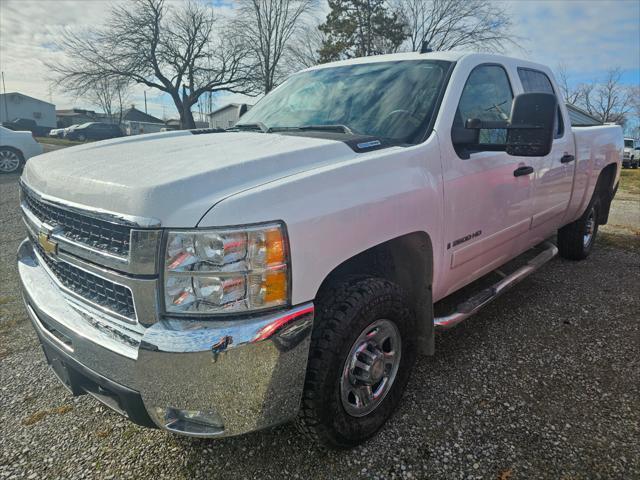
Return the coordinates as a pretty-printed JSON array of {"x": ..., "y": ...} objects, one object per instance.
[
  {"x": 407, "y": 261},
  {"x": 605, "y": 190},
  {"x": 17, "y": 150}
]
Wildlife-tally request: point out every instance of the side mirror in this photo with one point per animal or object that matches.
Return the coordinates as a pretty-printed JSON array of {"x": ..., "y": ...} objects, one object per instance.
[
  {"x": 532, "y": 124},
  {"x": 529, "y": 130}
]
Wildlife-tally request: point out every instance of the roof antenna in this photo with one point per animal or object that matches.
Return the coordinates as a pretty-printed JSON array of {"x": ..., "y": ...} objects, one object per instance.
[{"x": 425, "y": 47}]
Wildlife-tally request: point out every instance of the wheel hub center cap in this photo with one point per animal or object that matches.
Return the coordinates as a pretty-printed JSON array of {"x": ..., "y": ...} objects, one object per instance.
[{"x": 377, "y": 370}]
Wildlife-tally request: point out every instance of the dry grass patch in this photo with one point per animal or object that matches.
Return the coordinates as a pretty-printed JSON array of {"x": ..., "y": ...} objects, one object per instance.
[
  {"x": 41, "y": 414},
  {"x": 630, "y": 181},
  {"x": 620, "y": 237}
]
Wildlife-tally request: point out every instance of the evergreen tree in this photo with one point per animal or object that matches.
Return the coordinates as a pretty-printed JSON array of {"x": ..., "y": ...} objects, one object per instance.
[{"x": 358, "y": 28}]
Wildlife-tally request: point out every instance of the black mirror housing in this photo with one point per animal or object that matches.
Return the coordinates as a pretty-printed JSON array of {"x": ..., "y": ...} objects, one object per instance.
[{"x": 532, "y": 124}]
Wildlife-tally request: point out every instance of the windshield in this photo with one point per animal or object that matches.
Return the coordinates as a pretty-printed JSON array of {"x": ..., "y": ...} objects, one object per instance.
[
  {"x": 628, "y": 143},
  {"x": 393, "y": 100}
]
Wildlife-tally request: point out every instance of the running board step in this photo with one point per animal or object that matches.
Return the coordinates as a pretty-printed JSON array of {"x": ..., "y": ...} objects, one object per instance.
[{"x": 486, "y": 296}]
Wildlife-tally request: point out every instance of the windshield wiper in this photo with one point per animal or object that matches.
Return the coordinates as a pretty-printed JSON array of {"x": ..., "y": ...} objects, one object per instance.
[
  {"x": 320, "y": 128},
  {"x": 328, "y": 128},
  {"x": 252, "y": 126}
]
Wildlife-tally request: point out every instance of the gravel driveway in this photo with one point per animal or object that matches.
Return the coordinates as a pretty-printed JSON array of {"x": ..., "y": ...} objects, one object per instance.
[{"x": 544, "y": 383}]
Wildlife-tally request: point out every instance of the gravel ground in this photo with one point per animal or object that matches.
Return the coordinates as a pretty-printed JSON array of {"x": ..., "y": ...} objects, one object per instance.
[{"x": 544, "y": 383}]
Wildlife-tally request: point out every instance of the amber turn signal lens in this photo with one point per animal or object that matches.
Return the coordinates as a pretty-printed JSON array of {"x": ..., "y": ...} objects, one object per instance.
[
  {"x": 274, "y": 286},
  {"x": 276, "y": 254}
]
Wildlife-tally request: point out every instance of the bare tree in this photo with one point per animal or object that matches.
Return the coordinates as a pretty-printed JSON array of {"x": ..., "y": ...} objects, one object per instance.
[
  {"x": 571, "y": 94},
  {"x": 110, "y": 96},
  {"x": 609, "y": 101},
  {"x": 266, "y": 27},
  {"x": 176, "y": 49},
  {"x": 304, "y": 51},
  {"x": 634, "y": 95},
  {"x": 450, "y": 24}
]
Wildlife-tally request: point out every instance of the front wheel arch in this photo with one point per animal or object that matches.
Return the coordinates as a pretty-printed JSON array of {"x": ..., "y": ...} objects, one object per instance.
[{"x": 407, "y": 261}]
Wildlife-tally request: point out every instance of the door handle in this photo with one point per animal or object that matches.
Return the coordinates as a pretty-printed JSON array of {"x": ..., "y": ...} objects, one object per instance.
[
  {"x": 520, "y": 171},
  {"x": 567, "y": 158}
]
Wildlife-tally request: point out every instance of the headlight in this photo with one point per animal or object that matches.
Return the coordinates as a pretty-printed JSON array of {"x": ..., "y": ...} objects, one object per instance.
[{"x": 226, "y": 270}]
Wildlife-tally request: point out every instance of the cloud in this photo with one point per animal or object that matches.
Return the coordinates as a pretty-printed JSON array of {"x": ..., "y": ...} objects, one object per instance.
[
  {"x": 29, "y": 31},
  {"x": 587, "y": 36}
]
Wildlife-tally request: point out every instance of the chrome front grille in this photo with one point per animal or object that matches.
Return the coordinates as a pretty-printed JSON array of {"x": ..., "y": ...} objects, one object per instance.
[
  {"x": 106, "y": 259},
  {"x": 92, "y": 232},
  {"x": 102, "y": 292}
]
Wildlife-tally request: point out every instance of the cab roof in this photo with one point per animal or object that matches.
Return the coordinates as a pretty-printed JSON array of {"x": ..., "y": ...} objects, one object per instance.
[{"x": 449, "y": 56}]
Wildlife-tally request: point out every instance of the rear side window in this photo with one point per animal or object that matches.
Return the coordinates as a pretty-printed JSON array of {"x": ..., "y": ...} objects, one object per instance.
[
  {"x": 487, "y": 96},
  {"x": 534, "y": 81}
]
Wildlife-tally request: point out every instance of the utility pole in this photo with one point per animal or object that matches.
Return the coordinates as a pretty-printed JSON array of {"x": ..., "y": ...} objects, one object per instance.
[
  {"x": 145, "y": 102},
  {"x": 6, "y": 108}
]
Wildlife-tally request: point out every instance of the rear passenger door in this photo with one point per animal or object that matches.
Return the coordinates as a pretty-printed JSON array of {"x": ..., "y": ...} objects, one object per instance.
[{"x": 553, "y": 177}]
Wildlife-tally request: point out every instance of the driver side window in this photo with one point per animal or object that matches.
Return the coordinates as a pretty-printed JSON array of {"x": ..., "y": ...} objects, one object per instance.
[{"x": 487, "y": 96}]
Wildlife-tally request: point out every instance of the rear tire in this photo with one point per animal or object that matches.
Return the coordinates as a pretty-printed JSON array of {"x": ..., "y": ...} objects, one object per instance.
[
  {"x": 361, "y": 321},
  {"x": 576, "y": 240},
  {"x": 10, "y": 160}
]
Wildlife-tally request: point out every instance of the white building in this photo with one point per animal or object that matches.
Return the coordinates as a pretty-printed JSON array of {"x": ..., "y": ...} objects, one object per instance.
[
  {"x": 132, "y": 127},
  {"x": 15, "y": 105},
  {"x": 227, "y": 116}
]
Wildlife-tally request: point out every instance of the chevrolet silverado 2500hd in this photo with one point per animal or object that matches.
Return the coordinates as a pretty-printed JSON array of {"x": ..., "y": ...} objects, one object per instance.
[{"x": 213, "y": 283}]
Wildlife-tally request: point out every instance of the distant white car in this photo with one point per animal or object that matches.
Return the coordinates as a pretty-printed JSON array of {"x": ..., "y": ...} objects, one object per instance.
[
  {"x": 630, "y": 157},
  {"x": 15, "y": 149},
  {"x": 56, "y": 132}
]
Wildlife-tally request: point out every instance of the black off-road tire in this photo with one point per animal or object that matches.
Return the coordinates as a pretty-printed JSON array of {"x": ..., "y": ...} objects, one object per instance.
[
  {"x": 571, "y": 238},
  {"x": 342, "y": 314}
]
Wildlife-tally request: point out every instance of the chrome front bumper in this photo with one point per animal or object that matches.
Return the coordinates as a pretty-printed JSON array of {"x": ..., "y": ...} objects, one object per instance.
[{"x": 249, "y": 372}]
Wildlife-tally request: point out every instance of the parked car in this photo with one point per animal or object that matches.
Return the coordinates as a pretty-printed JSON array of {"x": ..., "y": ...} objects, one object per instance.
[
  {"x": 93, "y": 131},
  {"x": 70, "y": 128},
  {"x": 630, "y": 157},
  {"x": 16, "y": 148},
  {"x": 287, "y": 268},
  {"x": 56, "y": 132},
  {"x": 26, "y": 124}
]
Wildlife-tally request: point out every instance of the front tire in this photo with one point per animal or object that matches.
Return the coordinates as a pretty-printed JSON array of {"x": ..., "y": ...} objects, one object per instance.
[
  {"x": 10, "y": 160},
  {"x": 576, "y": 240},
  {"x": 362, "y": 350}
]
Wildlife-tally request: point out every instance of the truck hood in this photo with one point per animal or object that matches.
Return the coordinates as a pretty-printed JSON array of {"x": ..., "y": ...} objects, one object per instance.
[{"x": 174, "y": 177}]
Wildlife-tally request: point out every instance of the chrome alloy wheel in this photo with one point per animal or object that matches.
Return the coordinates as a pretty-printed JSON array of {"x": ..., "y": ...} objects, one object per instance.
[
  {"x": 370, "y": 368},
  {"x": 590, "y": 228},
  {"x": 9, "y": 161}
]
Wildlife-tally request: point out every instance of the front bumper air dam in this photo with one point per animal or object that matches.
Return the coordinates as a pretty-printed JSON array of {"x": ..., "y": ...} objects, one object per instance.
[{"x": 247, "y": 373}]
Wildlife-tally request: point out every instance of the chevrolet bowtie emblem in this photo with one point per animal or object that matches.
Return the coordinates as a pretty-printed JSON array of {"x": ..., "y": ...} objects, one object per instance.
[{"x": 49, "y": 246}]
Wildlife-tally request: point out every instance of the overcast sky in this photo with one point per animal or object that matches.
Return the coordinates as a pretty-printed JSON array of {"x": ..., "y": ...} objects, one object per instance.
[{"x": 588, "y": 37}]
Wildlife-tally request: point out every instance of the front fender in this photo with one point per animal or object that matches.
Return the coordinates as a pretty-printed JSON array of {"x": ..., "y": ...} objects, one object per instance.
[{"x": 337, "y": 211}]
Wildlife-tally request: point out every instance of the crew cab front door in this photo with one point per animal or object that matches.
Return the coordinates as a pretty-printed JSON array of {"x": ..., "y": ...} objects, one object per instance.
[{"x": 487, "y": 193}]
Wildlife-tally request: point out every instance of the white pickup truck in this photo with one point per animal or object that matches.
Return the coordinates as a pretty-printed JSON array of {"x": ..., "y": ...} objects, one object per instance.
[
  {"x": 212, "y": 283},
  {"x": 630, "y": 156}
]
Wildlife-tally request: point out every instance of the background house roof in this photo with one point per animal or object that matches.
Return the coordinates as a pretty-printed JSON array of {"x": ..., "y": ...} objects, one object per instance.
[{"x": 135, "y": 115}]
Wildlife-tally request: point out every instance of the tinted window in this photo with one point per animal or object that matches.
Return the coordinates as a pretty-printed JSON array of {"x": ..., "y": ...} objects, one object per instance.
[
  {"x": 486, "y": 96},
  {"x": 536, "y": 81}
]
